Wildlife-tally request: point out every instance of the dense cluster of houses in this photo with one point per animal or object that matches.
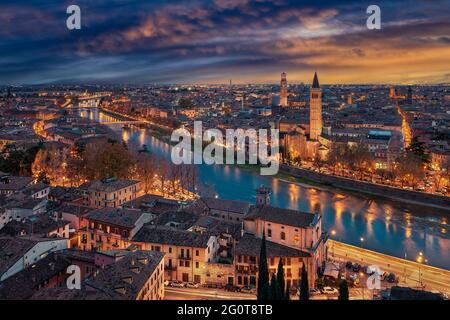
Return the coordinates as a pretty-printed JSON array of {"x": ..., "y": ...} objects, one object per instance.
[{"x": 126, "y": 246}]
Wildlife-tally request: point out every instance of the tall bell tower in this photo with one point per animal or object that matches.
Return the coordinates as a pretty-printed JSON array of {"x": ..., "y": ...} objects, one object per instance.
[{"x": 315, "y": 112}]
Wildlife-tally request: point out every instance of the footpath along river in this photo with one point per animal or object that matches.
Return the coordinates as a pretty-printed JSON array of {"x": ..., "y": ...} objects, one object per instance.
[{"x": 386, "y": 226}]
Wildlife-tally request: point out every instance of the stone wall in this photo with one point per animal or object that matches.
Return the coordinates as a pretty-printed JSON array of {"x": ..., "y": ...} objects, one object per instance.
[{"x": 397, "y": 194}]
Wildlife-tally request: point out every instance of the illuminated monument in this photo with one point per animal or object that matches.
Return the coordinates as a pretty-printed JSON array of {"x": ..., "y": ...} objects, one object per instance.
[
  {"x": 283, "y": 91},
  {"x": 315, "y": 113}
]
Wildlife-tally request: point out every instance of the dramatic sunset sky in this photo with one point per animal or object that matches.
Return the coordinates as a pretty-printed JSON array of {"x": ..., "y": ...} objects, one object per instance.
[{"x": 199, "y": 41}]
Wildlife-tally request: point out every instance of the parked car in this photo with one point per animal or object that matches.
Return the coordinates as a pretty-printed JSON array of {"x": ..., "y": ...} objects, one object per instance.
[
  {"x": 442, "y": 294},
  {"x": 248, "y": 289},
  {"x": 212, "y": 286},
  {"x": 232, "y": 288},
  {"x": 391, "y": 278},
  {"x": 329, "y": 290},
  {"x": 368, "y": 270},
  {"x": 177, "y": 284},
  {"x": 314, "y": 292},
  {"x": 192, "y": 285},
  {"x": 356, "y": 267},
  {"x": 349, "y": 265},
  {"x": 294, "y": 291},
  {"x": 353, "y": 276},
  {"x": 167, "y": 283}
]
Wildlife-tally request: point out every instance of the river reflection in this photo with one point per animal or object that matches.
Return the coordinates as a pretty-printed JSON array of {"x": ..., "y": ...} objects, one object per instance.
[{"x": 388, "y": 227}]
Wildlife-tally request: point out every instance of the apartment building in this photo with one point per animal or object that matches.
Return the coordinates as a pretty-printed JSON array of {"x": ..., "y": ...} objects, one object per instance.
[
  {"x": 187, "y": 253},
  {"x": 111, "y": 228},
  {"x": 109, "y": 193}
]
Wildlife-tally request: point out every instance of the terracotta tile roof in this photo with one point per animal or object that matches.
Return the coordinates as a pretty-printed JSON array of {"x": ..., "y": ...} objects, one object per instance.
[
  {"x": 250, "y": 245},
  {"x": 14, "y": 183},
  {"x": 162, "y": 235},
  {"x": 108, "y": 186},
  {"x": 283, "y": 216},
  {"x": 124, "y": 279},
  {"x": 115, "y": 216},
  {"x": 233, "y": 206},
  {"x": 12, "y": 249}
]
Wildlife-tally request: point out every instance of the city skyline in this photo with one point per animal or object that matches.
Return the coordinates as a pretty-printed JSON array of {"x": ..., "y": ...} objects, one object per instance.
[{"x": 211, "y": 42}]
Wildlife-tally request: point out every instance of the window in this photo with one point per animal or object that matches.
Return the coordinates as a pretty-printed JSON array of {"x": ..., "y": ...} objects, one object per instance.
[
  {"x": 197, "y": 265},
  {"x": 283, "y": 235},
  {"x": 269, "y": 233},
  {"x": 170, "y": 249},
  {"x": 197, "y": 253}
]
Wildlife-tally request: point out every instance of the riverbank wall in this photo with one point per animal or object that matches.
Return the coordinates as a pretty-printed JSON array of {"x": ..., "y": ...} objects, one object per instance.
[{"x": 392, "y": 193}]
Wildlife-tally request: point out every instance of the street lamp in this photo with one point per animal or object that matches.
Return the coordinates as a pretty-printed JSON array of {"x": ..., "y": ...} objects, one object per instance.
[
  {"x": 420, "y": 259},
  {"x": 361, "y": 274},
  {"x": 361, "y": 240},
  {"x": 333, "y": 233}
]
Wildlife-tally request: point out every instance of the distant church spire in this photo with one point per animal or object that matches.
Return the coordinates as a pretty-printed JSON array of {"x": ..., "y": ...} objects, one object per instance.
[
  {"x": 315, "y": 84},
  {"x": 315, "y": 112}
]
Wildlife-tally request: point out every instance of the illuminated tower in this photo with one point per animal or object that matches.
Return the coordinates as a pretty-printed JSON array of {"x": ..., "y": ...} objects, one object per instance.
[
  {"x": 392, "y": 93},
  {"x": 350, "y": 98},
  {"x": 262, "y": 196},
  {"x": 283, "y": 91},
  {"x": 409, "y": 97},
  {"x": 315, "y": 112}
]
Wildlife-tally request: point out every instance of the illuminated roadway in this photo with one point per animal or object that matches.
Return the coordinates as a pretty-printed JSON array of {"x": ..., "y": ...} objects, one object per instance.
[
  {"x": 204, "y": 294},
  {"x": 408, "y": 271}
]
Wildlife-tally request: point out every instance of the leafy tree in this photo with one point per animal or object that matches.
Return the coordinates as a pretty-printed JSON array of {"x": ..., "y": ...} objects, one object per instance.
[
  {"x": 185, "y": 103},
  {"x": 304, "y": 287},
  {"x": 263, "y": 275},
  {"x": 409, "y": 168},
  {"x": 343, "y": 290},
  {"x": 106, "y": 160},
  {"x": 362, "y": 158},
  {"x": 280, "y": 279},
  {"x": 418, "y": 148},
  {"x": 146, "y": 170},
  {"x": 50, "y": 162},
  {"x": 42, "y": 177},
  {"x": 19, "y": 162}
]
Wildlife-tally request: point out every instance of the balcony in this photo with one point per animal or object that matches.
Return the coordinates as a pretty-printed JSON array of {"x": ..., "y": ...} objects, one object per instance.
[
  {"x": 170, "y": 268},
  {"x": 184, "y": 257}
]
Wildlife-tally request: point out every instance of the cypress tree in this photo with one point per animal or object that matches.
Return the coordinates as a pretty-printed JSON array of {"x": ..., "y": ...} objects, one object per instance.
[
  {"x": 263, "y": 273},
  {"x": 287, "y": 294},
  {"x": 304, "y": 288},
  {"x": 343, "y": 290},
  {"x": 280, "y": 279},
  {"x": 274, "y": 288}
]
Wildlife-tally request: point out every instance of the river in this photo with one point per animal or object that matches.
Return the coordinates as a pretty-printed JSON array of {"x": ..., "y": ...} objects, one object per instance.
[{"x": 385, "y": 226}]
